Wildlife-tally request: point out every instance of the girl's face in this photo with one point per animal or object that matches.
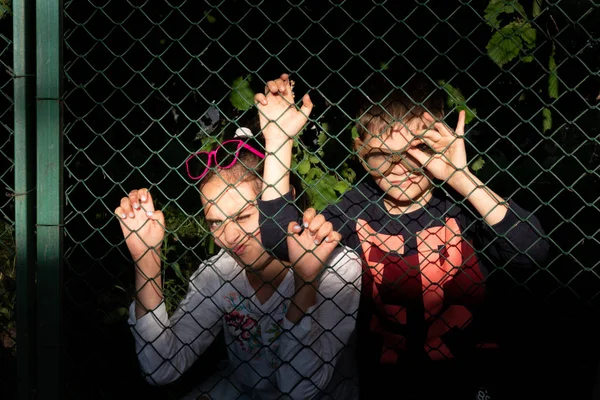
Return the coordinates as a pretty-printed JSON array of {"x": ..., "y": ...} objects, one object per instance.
[{"x": 232, "y": 215}]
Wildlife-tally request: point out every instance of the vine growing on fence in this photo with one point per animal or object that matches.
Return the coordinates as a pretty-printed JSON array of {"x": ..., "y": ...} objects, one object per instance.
[{"x": 516, "y": 38}]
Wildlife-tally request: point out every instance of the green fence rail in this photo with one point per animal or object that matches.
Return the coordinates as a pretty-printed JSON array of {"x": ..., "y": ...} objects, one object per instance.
[
  {"x": 9, "y": 229},
  {"x": 99, "y": 98},
  {"x": 25, "y": 193}
]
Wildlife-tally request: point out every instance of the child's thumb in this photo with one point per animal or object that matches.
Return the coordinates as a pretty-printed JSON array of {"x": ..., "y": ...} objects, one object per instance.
[
  {"x": 293, "y": 228},
  {"x": 157, "y": 216},
  {"x": 307, "y": 105}
]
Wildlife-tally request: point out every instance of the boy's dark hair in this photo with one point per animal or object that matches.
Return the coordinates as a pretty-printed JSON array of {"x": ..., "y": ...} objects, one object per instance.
[{"x": 383, "y": 104}]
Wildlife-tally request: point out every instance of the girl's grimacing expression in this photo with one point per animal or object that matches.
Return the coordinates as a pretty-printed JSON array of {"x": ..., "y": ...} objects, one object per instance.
[
  {"x": 233, "y": 218},
  {"x": 401, "y": 184}
]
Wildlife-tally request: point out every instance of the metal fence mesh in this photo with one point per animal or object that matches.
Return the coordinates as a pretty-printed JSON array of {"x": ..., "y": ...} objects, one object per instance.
[
  {"x": 8, "y": 332},
  {"x": 148, "y": 83},
  {"x": 143, "y": 81}
]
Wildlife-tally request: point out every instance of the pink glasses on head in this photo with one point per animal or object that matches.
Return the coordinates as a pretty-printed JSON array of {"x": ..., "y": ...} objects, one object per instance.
[{"x": 224, "y": 156}]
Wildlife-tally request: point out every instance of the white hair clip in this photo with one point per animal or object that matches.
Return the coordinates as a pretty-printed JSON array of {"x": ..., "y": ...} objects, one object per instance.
[{"x": 243, "y": 132}]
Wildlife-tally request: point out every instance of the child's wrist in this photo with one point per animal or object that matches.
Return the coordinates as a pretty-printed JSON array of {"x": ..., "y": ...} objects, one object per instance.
[
  {"x": 463, "y": 182},
  {"x": 274, "y": 145},
  {"x": 300, "y": 281},
  {"x": 148, "y": 260}
]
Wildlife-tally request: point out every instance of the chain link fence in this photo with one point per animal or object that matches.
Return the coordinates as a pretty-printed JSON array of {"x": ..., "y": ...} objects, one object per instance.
[
  {"x": 8, "y": 283},
  {"x": 147, "y": 83}
]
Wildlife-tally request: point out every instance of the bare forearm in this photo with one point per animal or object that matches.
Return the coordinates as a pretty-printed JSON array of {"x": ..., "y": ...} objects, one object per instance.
[
  {"x": 148, "y": 283},
  {"x": 304, "y": 298},
  {"x": 490, "y": 206},
  {"x": 278, "y": 161}
]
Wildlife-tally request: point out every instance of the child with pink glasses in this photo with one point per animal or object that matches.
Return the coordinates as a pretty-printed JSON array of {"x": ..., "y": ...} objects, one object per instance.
[{"x": 286, "y": 324}]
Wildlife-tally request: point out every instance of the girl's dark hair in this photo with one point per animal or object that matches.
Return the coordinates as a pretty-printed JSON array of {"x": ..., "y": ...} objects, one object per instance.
[{"x": 249, "y": 168}]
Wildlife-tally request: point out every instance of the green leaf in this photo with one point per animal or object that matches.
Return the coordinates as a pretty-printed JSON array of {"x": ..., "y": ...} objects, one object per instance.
[
  {"x": 502, "y": 48},
  {"x": 457, "y": 100},
  {"x": 322, "y": 139},
  {"x": 492, "y": 11},
  {"x": 547, "y": 115},
  {"x": 330, "y": 180},
  {"x": 354, "y": 133},
  {"x": 528, "y": 34},
  {"x": 303, "y": 167},
  {"x": 242, "y": 96},
  {"x": 314, "y": 159},
  {"x": 322, "y": 193},
  {"x": 478, "y": 164},
  {"x": 312, "y": 174},
  {"x": 209, "y": 18},
  {"x": 349, "y": 174},
  {"x": 537, "y": 8},
  {"x": 341, "y": 187},
  {"x": 454, "y": 94},
  {"x": 211, "y": 245},
  {"x": 510, "y": 41},
  {"x": 177, "y": 270},
  {"x": 553, "y": 78},
  {"x": 316, "y": 201},
  {"x": 497, "y": 7},
  {"x": 527, "y": 59}
]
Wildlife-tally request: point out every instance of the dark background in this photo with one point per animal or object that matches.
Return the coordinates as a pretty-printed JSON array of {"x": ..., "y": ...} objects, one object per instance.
[{"x": 139, "y": 75}]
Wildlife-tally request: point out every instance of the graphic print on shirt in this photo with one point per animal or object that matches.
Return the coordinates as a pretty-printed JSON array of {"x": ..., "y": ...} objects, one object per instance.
[
  {"x": 247, "y": 330},
  {"x": 439, "y": 270},
  {"x": 242, "y": 326}
]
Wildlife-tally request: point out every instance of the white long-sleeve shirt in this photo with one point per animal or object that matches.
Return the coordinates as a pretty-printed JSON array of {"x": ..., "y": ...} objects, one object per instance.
[{"x": 268, "y": 355}]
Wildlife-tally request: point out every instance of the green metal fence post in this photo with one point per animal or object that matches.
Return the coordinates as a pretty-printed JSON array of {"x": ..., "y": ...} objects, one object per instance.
[
  {"x": 50, "y": 230},
  {"x": 24, "y": 97}
]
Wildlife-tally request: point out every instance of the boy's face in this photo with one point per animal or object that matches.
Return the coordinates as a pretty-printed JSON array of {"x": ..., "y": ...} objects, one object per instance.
[
  {"x": 402, "y": 180},
  {"x": 232, "y": 215}
]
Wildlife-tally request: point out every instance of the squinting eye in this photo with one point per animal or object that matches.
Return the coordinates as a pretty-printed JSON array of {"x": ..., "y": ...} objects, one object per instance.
[
  {"x": 425, "y": 148},
  {"x": 378, "y": 155},
  {"x": 243, "y": 217},
  {"x": 215, "y": 225}
]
